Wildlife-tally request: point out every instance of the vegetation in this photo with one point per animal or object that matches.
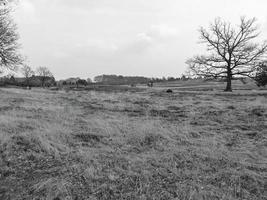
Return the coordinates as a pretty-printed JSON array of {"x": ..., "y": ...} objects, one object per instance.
[
  {"x": 9, "y": 56},
  {"x": 181, "y": 139},
  {"x": 233, "y": 51},
  {"x": 27, "y": 72},
  {"x": 119, "y": 80},
  {"x": 132, "y": 145},
  {"x": 81, "y": 82},
  {"x": 33, "y": 81},
  {"x": 44, "y": 74},
  {"x": 261, "y": 76}
]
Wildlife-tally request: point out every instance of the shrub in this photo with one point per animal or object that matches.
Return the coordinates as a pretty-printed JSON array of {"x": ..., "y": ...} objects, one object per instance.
[{"x": 261, "y": 75}]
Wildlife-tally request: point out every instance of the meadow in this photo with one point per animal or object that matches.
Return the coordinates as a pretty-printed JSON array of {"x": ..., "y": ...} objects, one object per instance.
[{"x": 192, "y": 144}]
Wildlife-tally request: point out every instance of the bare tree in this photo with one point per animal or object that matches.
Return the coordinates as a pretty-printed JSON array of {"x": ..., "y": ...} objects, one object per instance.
[
  {"x": 233, "y": 51},
  {"x": 9, "y": 55},
  {"x": 27, "y": 72},
  {"x": 44, "y": 74}
]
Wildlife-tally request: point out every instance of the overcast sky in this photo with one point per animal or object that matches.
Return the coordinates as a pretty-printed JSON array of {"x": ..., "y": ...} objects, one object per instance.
[{"x": 85, "y": 38}]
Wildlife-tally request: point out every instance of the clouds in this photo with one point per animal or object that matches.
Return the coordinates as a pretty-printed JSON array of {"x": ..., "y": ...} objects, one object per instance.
[
  {"x": 26, "y": 12},
  {"x": 265, "y": 26},
  {"x": 27, "y": 7},
  {"x": 156, "y": 35},
  {"x": 161, "y": 32},
  {"x": 134, "y": 56},
  {"x": 128, "y": 5},
  {"x": 140, "y": 37},
  {"x": 141, "y": 43}
]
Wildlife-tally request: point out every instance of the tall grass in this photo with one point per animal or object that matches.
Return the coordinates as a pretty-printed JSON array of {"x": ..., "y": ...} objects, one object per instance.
[{"x": 144, "y": 145}]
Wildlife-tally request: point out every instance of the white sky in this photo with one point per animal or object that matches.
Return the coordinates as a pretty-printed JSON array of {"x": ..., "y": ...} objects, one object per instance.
[{"x": 85, "y": 38}]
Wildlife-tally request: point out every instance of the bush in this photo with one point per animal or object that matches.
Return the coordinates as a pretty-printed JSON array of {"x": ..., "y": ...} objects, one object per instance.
[
  {"x": 261, "y": 75},
  {"x": 81, "y": 82}
]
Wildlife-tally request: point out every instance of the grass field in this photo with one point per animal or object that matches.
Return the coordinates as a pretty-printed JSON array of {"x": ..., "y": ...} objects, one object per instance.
[{"x": 147, "y": 144}]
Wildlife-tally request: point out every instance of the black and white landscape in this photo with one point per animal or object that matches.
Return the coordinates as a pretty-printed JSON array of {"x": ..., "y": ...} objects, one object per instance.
[{"x": 123, "y": 99}]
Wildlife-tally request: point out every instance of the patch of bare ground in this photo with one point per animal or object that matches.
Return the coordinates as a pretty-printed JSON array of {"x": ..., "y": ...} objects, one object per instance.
[{"x": 132, "y": 145}]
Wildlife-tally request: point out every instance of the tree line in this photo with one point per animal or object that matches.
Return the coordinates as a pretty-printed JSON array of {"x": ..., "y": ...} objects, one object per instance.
[
  {"x": 232, "y": 52},
  {"x": 42, "y": 77},
  {"x": 120, "y": 80}
]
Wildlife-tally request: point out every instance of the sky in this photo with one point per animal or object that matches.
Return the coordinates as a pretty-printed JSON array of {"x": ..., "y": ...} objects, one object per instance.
[{"x": 152, "y": 38}]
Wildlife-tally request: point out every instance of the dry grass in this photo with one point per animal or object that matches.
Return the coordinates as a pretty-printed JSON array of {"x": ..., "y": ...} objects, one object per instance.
[{"x": 133, "y": 145}]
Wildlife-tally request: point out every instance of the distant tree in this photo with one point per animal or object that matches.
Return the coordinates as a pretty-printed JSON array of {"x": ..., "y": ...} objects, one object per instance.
[
  {"x": 99, "y": 79},
  {"x": 261, "y": 75},
  {"x": 184, "y": 78},
  {"x": 89, "y": 80},
  {"x": 9, "y": 55},
  {"x": 81, "y": 82},
  {"x": 233, "y": 51},
  {"x": 27, "y": 72},
  {"x": 10, "y": 74},
  {"x": 44, "y": 74},
  {"x": 12, "y": 80},
  {"x": 170, "y": 78}
]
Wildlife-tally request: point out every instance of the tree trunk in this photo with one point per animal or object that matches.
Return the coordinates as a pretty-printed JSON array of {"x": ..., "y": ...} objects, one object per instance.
[
  {"x": 229, "y": 82},
  {"x": 27, "y": 82},
  {"x": 43, "y": 81}
]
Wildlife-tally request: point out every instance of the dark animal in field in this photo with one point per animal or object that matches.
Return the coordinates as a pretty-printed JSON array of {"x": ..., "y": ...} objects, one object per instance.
[{"x": 169, "y": 91}]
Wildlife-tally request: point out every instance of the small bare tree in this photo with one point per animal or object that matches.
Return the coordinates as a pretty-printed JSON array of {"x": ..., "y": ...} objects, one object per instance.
[
  {"x": 27, "y": 72},
  {"x": 233, "y": 51},
  {"x": 9, "y": 56},
  {"x": 44, "y": 74}
]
